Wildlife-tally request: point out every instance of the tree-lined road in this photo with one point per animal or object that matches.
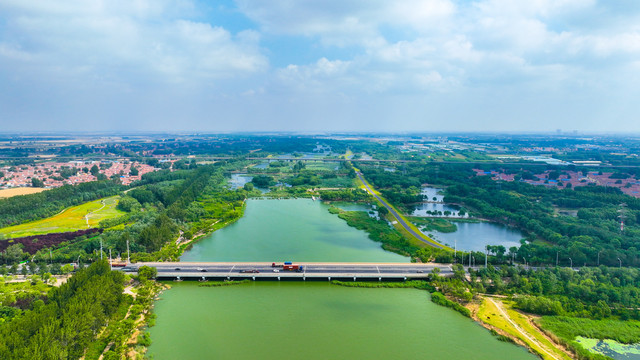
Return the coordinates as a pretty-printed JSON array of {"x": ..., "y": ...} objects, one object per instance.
[{"x": 399, "y": 217}]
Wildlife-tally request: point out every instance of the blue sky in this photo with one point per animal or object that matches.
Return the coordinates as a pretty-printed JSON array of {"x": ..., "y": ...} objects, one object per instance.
[{"x": 362, "y": 65}]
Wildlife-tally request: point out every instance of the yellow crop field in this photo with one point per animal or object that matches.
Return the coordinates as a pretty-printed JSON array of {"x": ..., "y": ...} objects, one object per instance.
[{"x": 7, "y": 193}]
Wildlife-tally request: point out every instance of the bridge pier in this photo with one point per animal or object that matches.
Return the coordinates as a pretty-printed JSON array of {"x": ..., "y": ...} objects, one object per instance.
[
  {"x": 254, "y": 278},
  {"x": 178, "y": 278},
  {"x": 380, "y": 278},
  {"x": 203, "y": 279},
  {"x": 329, "y": 278},
  {"x": 354, "y": 278},
  {"x": 278, "y": 278}
]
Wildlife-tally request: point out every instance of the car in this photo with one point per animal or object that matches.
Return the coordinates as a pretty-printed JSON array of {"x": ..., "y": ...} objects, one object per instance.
[
  {"x": 178, "y": 269},
  {"x": 276, "y": 270},
  {"x": 250, "y": 271},
  {"x": 419, "y": 271},
  {"x": 201, "y": 270}
]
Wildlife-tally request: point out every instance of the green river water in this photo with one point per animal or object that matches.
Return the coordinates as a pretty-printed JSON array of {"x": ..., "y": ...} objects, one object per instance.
[
  {"x": 307, "y": 320},
  {"x": 297, "y": 230}
]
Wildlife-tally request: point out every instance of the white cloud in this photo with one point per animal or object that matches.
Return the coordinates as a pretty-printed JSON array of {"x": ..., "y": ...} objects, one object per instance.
[{"x": 121, "y": 38}]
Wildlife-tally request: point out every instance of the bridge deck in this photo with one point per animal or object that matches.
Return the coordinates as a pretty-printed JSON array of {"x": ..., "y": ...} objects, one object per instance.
[{"x": 264, "y": 271}]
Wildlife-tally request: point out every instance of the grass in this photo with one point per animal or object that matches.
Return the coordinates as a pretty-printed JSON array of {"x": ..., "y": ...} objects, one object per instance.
[
  {"x": 71, "y": 219},
  {"x": 568, "y": 328},
  {"x": 489, "y": 313},
  {"x": 441, "y": 225}
]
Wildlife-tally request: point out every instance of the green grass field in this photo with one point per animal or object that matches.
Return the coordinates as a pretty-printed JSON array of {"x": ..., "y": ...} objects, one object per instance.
[{"x": 75, "y": 218}]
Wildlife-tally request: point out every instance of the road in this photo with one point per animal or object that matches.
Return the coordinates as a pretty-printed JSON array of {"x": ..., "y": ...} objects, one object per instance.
[
  {"x": 311, "y": 270},
  {"x": 398, "y": 216}
]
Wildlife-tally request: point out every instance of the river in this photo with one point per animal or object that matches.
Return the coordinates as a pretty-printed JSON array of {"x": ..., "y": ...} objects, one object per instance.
[
  {"x": 296, "y": 230},
  {"x": 307, "y": 320},
  {"x": 315, "y": 320}
]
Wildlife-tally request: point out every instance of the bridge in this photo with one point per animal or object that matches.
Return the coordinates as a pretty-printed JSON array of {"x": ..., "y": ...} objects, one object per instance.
[{"x": 204, "y": 271}]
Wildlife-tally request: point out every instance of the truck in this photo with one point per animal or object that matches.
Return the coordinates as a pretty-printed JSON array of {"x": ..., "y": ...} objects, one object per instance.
[{"x": 292, "y": 267}]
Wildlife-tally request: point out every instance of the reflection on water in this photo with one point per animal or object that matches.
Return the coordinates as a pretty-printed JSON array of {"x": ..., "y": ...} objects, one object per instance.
[
  {"x": 475, "y": 236},
  {"x": 238, "y": 180}
]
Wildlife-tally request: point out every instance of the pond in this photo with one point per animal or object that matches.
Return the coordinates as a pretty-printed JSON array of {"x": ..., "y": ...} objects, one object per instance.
[
  {"x": 611, "y": 348},
  {"x": 474, "y": 236},
  {"x": 237, "y": 181}
]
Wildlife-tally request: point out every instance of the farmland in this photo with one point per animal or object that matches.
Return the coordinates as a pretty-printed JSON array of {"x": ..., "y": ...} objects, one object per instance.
[{"x": 79, "y": 217}]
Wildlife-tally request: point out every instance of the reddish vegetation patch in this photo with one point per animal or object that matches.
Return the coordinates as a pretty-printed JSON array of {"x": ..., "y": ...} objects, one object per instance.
[{"x": 31, "y": 245}]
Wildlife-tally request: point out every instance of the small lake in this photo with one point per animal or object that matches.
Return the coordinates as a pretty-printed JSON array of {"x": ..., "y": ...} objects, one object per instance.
[
  {"x": 611, "y": 348},
  {"x": 475, "y": 236},
  {"x": 434, "y": 206},
  {"x": 430, "y": 193},
  {"x": 237, "y": 181},
  {"x": 294, "y": 229},
  {"x": 315, "y": 320}
]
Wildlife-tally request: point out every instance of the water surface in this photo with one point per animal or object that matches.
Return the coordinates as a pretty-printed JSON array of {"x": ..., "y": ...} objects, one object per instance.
[
  {"x": 475, "y": 236},
  {"x": 296, "y": 320},
  {"x": 295, "y": 229}
]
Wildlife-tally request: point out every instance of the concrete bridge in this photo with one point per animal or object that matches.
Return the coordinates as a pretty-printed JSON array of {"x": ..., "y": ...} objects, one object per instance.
[{"x": 309, "y": 271}]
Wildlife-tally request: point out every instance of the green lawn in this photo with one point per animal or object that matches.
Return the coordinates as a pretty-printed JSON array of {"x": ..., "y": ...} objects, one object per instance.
[{"x": 71, "y": 219}]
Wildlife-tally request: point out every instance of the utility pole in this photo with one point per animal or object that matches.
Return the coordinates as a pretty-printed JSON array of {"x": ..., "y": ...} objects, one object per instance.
[
  {"x": 486, "y": 255},
  {"x": 110, "y": 263},
  {"x": 455, "y": 250},
  {"x": 599, "y": 257},
  {"x": 557, "y": 252},
  {"x": 128, "y": 255},
  {"x": 100, "y": 249},
  {"x": 620, "y": 263}
]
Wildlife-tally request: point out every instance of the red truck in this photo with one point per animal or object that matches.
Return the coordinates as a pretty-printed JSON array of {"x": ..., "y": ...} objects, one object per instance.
[{"x": 293, "y": 267}]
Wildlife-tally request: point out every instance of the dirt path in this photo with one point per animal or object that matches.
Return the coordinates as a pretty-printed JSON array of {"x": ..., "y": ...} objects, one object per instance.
[
  {"x": 499, "y": 306},
  {"x": 86, "y": 217}
]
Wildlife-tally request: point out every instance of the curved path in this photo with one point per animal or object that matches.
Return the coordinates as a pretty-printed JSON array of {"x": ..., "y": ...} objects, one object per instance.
[{"x": 399, "y": 217}]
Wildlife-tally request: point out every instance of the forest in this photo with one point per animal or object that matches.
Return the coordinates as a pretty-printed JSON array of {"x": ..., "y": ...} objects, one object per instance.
[{"x": 64, "y": 323}]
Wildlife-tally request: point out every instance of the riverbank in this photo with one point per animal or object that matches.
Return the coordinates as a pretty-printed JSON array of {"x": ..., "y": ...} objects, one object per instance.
[{"x": 497, "y": 314}]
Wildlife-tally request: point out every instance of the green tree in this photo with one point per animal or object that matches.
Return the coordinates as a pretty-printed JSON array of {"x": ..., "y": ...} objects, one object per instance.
[
  {"x": 147, "y": 272},
  {"x": 35, "y": 182},
  {"x": 14, "y": 253}
]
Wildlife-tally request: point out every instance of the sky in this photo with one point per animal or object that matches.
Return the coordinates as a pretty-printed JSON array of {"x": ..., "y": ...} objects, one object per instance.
[{"x": 320, "y": 66}]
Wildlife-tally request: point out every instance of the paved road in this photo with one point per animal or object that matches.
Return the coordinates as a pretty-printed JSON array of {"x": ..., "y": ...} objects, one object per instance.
[
  {"x": 311, "y": 270},
  {"x": 397, "y": 216}
]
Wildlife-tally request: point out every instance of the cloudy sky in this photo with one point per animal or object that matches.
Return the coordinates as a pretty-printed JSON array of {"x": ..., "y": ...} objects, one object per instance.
[{"x": 320, "y": 65}]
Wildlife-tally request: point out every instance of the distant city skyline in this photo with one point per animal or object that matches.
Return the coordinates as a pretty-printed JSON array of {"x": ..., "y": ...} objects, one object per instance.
[{"x": 308, "y": 66}]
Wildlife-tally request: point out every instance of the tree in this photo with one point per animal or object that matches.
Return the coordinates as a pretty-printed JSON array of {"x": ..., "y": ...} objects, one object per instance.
[
  {"x": 134, "y": 171},
  {"x": 147, "y": 272},
  {"x": 14, "y": 253},
  {"x": 382, "y": 211},
  {"x": 248, "y": 187},
  {"x": 35, "y": 182},
  {"x": 95, "y": 170},
  {"x": 66, "y": 268}
]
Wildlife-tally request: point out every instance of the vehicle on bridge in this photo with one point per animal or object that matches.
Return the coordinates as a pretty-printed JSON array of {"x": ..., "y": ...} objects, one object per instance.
[
  {"x": 254, "y": 271},
  {"x": 292, "y": 267}
]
